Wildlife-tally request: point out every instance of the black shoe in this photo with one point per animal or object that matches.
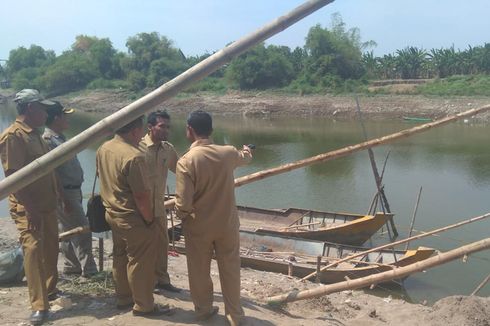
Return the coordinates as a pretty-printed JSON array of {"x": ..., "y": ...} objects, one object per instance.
[
  {"x": 125, "y": 306},
  {"x": 206, "y": 316},
  {"x": 168, "y": 287},
  {"x": 157, "y": 311},
  {"x": 55, "y": 295},
  {"x": 39, "y": 317}
]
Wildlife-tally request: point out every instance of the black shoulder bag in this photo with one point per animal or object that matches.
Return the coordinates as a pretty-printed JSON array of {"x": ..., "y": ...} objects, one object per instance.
[{"x": 96, "y": 212}]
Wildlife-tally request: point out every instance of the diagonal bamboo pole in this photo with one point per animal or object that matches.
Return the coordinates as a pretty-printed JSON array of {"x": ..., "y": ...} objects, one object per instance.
[
  {"x": 393, "y": 244},
  {"x": 377, "y": 178},
  {"x": 109, "y": 125},
  {"x": 397, "y": 273},
  {"x": 348, "y": 150}
]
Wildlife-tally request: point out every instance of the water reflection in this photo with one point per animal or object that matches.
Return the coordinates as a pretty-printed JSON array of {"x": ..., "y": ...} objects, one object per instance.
[{"x": 451, "y": 163}]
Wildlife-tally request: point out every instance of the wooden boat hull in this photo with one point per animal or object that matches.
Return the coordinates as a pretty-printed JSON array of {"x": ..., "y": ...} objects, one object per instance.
[
  {"x": 343, "y": 228},
  {"x": 329, "y": 252}
]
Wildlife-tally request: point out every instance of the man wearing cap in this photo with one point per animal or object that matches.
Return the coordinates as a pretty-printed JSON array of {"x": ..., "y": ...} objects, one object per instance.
[
  {"x": 160, "y": 157},
  {"x": 33, "y": 208},
  {"x": 77, "y": 251},
  {"x": 205, "y": 200}
]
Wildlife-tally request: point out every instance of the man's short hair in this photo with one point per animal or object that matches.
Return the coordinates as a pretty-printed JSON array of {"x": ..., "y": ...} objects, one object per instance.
[
  {"x": 137, "y": 123},
  {"x": 201, "y": 122},
  {"x": 152, "y": 117}
]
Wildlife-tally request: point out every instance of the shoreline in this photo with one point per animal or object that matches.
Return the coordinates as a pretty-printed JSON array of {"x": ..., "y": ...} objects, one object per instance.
[
  {"x": 92, "y": 302},
  {"x": 269, "y": 105}
]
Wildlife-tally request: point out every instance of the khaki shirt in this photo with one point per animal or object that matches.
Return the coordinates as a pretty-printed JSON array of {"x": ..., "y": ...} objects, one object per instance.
[
  {"x": 69, "y": 173},
  {"x": 205, "y": 189},
  {"x": 160, "y": 157},
  {"x": 122, "y": 172},
  {"x": 19, "y": 146}
]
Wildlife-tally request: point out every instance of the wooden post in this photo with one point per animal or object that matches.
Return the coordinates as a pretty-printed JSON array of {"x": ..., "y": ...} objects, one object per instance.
[
  {"x": 318, "y": 266},
  {"x": 109, "y": 125},
  {"x": 290, "y": 269},
  {"x": 397, "y": 273},
  {"x": 393, "y": 244},
  {"x": 101, "y": 254}
]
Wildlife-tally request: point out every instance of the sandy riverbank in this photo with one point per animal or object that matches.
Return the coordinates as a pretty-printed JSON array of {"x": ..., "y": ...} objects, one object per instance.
[
  {"x": 269, "y": 105},
  {"x": 345, "y": 308}
]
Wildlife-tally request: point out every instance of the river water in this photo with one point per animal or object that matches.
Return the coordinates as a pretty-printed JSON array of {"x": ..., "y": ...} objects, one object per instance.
[{"x": 451, "y": 163}]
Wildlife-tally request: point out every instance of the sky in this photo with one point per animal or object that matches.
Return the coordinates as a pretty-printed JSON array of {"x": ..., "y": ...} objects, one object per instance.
[{"x": 197, "y": 27}]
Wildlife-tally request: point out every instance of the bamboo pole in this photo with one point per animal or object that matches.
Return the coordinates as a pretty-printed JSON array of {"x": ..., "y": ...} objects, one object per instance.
[
  {"x": 481, "y": 285},
  {"x": 109, "y": 125},
  {"x": 397, "y": 273},
  {"x": 347, "y": 150},
  {"x": 377, "y": 178},
  {"x": 72, "y": 233},
  {"x": 393, "y": 244},
  {"x": 413, "y": 218}
]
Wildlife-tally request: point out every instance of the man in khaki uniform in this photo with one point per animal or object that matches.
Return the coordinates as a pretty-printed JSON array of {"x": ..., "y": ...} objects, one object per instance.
[
  {"x": 126, "y": 194},
  {"x": 33, "y": 208},
  {"x": 205, "y": 201},
  {"x": 160, "y": 157}
]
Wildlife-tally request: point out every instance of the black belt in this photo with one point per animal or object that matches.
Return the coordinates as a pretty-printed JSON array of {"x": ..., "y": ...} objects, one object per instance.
[{"x": 71, "y": 187}]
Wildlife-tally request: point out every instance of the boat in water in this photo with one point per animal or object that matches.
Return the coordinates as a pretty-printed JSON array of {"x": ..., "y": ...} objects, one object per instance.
[
  {"x": 299, "y": 257},
  {"x": 342, "y": 228}
]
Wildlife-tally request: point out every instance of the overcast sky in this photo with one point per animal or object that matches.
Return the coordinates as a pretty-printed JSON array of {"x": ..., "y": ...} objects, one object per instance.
[{"x": 208, "y": 25}]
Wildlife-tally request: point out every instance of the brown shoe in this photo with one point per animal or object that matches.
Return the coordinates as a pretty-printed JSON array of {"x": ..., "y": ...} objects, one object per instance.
[
  {"x": 157, "y": 311},
  {"x": 208, "y": 315}
]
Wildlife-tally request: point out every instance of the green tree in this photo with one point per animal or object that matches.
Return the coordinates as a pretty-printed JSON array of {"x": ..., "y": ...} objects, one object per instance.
[
  {"x": 410, "y": 62},
  {"x": 261, "y": 68},
  {"x": 71, "y": 71},
  {"x": 144, "y": 48},
  {"x": 101, "y": 52},
  {"x": 334, "y": 54},
  {"x": 33, "y": 57}
]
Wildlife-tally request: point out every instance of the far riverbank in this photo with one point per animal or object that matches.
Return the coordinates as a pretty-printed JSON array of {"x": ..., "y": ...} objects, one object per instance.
[{"x": 263, "y": 104}]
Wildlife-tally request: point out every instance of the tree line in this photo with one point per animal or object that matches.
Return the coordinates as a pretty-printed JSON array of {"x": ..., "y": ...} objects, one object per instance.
[{"x": 332, "y": 59}]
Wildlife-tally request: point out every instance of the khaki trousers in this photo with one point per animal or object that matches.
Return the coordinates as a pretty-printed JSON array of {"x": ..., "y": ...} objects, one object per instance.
[
  {"x": 40, "y": 257},
  {"x": 162, "y": 252},
  {"x": 78, "y": 250},
  {"x": 134, "y": 260},
  {"x": 199, "y": 252}
]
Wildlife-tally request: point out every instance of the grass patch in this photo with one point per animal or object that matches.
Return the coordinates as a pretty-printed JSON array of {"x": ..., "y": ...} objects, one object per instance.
[
  {"x": 101, "y": 284},
  {"x": 472, "y": 85}
]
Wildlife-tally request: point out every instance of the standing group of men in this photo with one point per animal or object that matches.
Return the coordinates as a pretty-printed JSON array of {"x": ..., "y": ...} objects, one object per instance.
[{"x": 132, "y": 168}]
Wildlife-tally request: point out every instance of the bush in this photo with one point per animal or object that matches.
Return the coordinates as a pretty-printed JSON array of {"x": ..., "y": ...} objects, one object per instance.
[
  {"x": 107, "y": 84},
  {"x": 136, "y": 81}
]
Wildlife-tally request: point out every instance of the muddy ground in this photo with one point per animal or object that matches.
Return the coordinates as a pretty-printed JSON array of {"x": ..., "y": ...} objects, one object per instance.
[
  {"x": 92, "y": 302},
  {"x": 269, "y": 105}
]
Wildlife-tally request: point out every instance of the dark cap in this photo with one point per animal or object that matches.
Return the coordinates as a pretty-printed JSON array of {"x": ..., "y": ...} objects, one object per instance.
[{"x": 56, "y": 110}]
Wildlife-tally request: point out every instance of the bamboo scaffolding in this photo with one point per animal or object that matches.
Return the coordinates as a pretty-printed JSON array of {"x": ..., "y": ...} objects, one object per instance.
[
  {"x": 393, "y": 244},
  {"x": 397, "y": 273},
  {"x": 347, "y": 150},
  {"x": 109, "y": 125}
]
